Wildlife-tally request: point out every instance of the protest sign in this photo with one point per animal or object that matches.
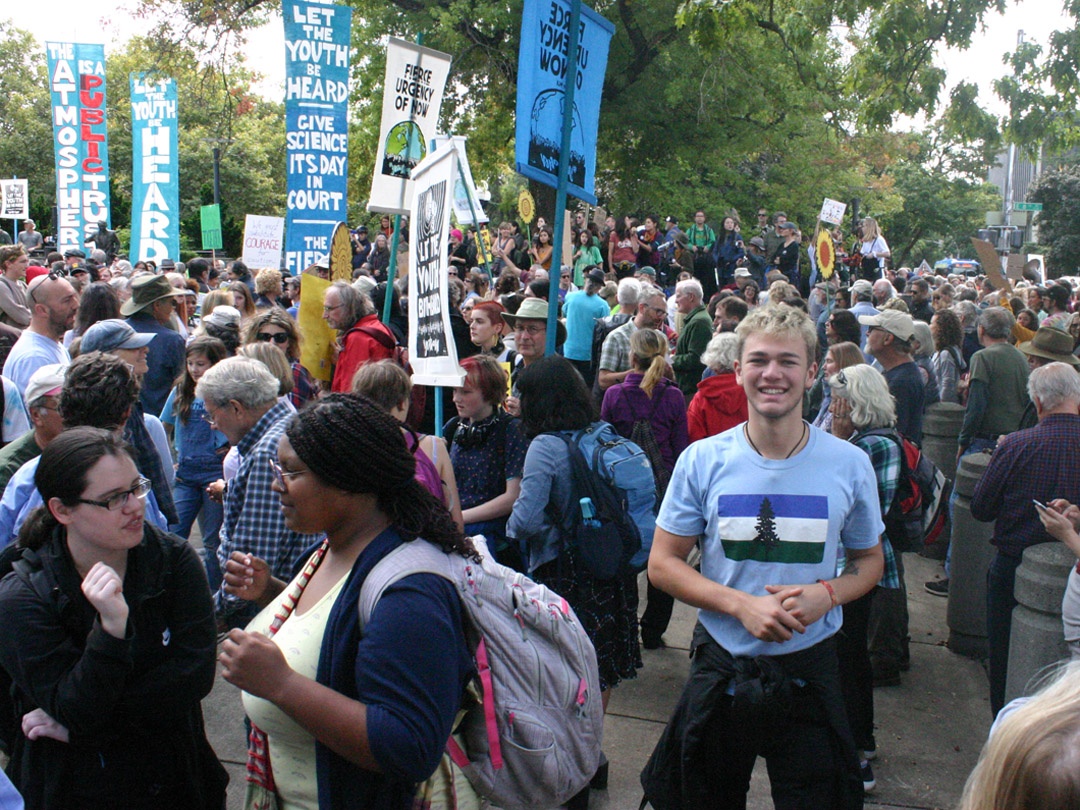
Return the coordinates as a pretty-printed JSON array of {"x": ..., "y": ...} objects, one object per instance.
[
  {"x": 412, "y": 95},
  {"x": 317, "y": 45},
  {"x": 431, "y": 344},
  {"x": 14, "y": 199},
  {"x": 210, "y": 224},
  {"x": 80, "y": 141},
  {"x": 542, "y": 69},
  {"x": 832, "y": 211},
  {"x": 317, "y": 348},
  {"x": 155, "y": 169},
  {"x": 991, "y": 263},
  {"x": 465, "y": 199},
  {"x": 340, "y": 254},
  {"x": 262, "y": 241}
]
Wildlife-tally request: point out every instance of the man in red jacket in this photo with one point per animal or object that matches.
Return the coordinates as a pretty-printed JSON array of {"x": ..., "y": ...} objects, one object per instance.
[{"x": 362, "y": 337}]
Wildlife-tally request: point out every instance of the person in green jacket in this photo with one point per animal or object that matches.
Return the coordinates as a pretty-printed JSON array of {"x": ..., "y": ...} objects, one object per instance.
[
  {"x": 696, "y": 332},
  {"x": 586, "y": 255}
]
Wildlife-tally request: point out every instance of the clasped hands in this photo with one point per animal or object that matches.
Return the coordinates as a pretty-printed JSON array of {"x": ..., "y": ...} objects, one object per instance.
[{"x": 783, "y": 610}]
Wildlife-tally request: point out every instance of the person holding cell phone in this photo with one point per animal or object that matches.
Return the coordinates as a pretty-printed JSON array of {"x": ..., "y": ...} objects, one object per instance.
[{"x": 1037, "y": 464}]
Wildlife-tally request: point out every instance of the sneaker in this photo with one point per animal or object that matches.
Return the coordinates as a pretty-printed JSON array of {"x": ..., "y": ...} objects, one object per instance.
[
  {"x": 867, "y": 773},
  {"x": 939, "y": 587}
]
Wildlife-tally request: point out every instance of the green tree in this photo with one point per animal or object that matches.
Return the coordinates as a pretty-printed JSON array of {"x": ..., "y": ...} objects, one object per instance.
[
  {"x": 766, "y": 525},
  {"x": 216, "y": 108},
  {"x": 26, "y": 142},
  {"x": 1059, "y": 222},
  {"x": 725, "y": 105}
]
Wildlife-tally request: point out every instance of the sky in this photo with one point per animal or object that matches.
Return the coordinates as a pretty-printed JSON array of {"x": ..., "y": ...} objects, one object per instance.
[{"x": 80, "y": 21}]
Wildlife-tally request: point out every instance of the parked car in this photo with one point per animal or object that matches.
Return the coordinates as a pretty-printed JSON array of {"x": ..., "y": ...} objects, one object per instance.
[{"x": 968, "y": 267}]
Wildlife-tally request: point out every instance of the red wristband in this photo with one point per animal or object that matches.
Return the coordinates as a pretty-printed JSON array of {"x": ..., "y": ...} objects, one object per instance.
[{"x": 832, "y": 593}]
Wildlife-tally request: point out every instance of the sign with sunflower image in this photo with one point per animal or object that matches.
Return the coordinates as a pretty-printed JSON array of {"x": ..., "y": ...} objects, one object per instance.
[{"x": 826, "y": 253}]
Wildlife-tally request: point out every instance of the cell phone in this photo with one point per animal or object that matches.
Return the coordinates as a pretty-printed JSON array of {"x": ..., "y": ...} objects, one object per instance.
[{"x": 1040, "y": 505}]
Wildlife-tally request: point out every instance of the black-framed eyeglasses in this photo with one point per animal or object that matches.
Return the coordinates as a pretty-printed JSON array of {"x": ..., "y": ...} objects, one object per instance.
[
  {"x": 117, "y": 501},
  {"x": 280, "y": 475},
  {"x": 280, "y": 338}
]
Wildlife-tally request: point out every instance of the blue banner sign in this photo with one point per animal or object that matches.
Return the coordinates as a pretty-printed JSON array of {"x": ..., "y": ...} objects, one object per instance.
[
  {"x": 542, "y": 68},
  {"x": 80, "y": 141},
  {"x": 155, "y": 172},
  {"x": 317, "y": 43}
]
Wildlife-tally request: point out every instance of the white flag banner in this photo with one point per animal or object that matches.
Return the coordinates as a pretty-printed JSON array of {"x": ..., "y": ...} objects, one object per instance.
[
  {"x": 464, "y": 189},
  {"x": 431, "y": 343},
  {"x": 14, "y": 199},
  {"x": 412, "y": 96},
  {"x": 263, "y": 241}
]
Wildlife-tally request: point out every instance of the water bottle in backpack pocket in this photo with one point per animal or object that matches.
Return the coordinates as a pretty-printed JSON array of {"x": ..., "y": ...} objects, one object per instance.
[{"x": 616, "y": 476}]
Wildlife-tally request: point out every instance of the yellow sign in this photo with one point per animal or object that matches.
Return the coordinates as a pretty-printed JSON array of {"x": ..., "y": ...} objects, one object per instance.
[
  {"x": 526, "y": 206},
  {"x": 340, "y": 254},
  {"x": 826, "y": 254},
  {"x": 317, "y": 348}
]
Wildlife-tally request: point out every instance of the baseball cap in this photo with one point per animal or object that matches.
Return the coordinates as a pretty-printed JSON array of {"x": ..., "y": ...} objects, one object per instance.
[
  {"x": 862, "y": 287},
  {"x": 758, "y": 242},
  {"x": 45, "y": 382},
  {"x": 113, "y": 333},
  {"x": 223, "y": 316},
  {"x": 892, "y": 321},
  {"x": 649, "y": 271}
]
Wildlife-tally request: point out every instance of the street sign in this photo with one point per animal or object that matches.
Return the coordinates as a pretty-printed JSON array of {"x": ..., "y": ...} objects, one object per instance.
[{"x": 1025, "y": 206}]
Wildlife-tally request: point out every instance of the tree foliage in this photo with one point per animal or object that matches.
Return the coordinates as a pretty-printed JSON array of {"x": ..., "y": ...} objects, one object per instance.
[
  {"x": 25, "y": 118},
  {"x": 1059, "y": 222},
  {"x": 726, "y": 105}
]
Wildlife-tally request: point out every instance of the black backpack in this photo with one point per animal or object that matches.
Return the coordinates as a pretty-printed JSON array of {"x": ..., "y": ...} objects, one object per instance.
[
  {"x": 642, "y": 435},
  {"x": 607, "y": 540}
]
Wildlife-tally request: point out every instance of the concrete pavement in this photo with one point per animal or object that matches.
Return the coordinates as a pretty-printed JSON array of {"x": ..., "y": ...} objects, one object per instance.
[{"x": 929, "y": 729}]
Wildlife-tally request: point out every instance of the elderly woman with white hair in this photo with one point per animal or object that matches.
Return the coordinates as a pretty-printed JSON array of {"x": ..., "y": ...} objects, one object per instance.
[
  {"x": 922, "y": 352},
  {"x": 720, "y": 402},
  {"x": 864, "y": 413}
]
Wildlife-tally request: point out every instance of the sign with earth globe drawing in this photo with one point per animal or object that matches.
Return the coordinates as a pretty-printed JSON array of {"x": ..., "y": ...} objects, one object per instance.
[
  {"x": 545, "y": 135},
  {"x": 543, "y": 67}
]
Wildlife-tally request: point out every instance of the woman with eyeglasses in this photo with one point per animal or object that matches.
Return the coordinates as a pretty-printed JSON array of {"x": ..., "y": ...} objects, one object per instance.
[
  {"x": 344, "y": 718},
  {"x": 275, "y": 326},
  {"x": 109, "y": 639}
]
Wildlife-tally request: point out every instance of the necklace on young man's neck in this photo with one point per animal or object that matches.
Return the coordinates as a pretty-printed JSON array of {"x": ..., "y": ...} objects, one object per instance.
[{"x": 791, "y": 452}]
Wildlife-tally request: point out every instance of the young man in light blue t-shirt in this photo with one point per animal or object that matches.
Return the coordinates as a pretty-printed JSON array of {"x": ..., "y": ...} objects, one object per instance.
[{"x": 770, "y": 502}]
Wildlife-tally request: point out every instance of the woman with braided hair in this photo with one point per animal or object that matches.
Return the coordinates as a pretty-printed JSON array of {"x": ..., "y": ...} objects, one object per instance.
[{"x": 344, "y": 720}]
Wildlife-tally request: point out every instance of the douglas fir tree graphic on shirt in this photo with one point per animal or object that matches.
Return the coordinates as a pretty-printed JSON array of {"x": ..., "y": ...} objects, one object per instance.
[{"x": 774, "y": 528}]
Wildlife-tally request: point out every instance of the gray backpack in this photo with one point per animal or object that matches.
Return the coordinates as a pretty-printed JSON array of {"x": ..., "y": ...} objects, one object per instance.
[{"x": 534, "y": 742}]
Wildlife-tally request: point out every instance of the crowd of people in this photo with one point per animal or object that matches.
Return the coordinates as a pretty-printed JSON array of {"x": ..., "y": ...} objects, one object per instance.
[{"x": 139, "y": 400}]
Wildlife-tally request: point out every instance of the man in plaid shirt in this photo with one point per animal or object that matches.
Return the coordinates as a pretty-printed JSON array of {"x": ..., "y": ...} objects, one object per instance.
[{"x": 241, "y": 398}]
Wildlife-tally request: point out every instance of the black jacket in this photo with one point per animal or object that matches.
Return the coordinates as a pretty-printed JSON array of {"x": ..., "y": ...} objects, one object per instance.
[{"x": 132, "y": 705}]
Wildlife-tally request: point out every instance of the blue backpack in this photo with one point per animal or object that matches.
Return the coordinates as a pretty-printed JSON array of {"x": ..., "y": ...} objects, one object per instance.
[{"x": 615, "y": 474}]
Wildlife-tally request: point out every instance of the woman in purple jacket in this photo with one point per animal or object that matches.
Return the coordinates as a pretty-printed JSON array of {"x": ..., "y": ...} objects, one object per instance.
[{"x": 649, "y": 393}]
